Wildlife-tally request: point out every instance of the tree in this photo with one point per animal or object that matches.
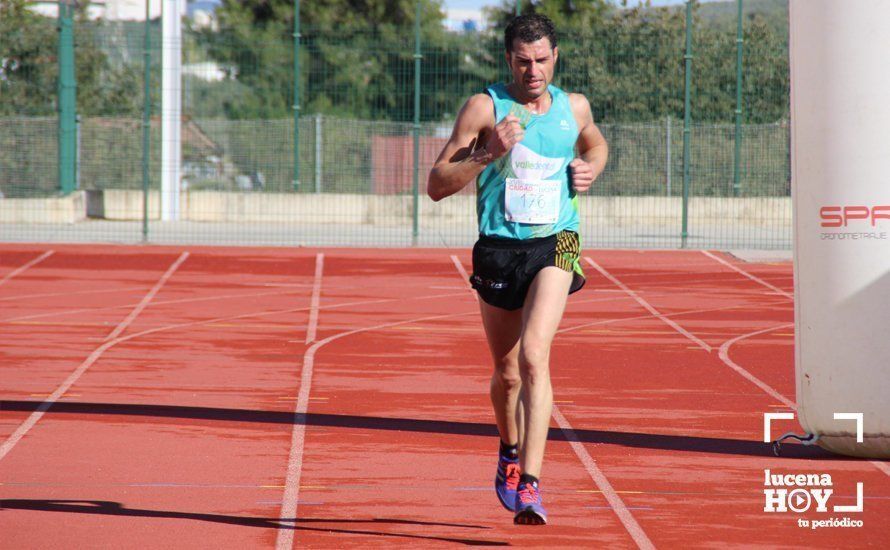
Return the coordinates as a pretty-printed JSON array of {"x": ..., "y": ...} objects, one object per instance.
[
  {"x": 567, "y": 15},
  {"x": 629, "y": 61},
  {"x": 27, "y": 61},
  {"x": 29, "y": 68},
  {"x": 358, "y": 52}
]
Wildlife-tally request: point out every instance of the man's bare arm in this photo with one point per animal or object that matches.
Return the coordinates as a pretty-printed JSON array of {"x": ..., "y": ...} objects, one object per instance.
[
  {"x": 462, "y": 158},
  {"x": 593, "y": 151}
]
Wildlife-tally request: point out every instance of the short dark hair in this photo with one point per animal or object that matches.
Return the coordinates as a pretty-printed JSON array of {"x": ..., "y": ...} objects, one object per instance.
[{"x": 529, "y": 28}]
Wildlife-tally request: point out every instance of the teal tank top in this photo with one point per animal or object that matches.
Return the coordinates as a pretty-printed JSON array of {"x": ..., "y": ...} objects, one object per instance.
[{"x": 527, "y": 193}]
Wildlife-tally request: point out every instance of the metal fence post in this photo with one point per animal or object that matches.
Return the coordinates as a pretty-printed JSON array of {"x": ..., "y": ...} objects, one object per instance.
[
  {"x": 77, "y": 154},
  {"x": 686, "y": 122},
  {"x": 146, "y": 118},
  {"x": 318, "y": 153},
  {"x": 67, "y": 100},
  {"x": 737, "y": 158},
  {"x": 417, "y": 57},
  {"x": 668, "y": 155},
  {"x": 296, "y": 106}
]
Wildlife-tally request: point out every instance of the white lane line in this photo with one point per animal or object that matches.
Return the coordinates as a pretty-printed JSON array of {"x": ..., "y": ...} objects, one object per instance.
[
  {"x": 35, "y": 417},
  {"x": 122, "y": 326},
  {"x": 749, "y": 275},
  {"x": 599, "y": 479},
  {"x": 723, "y": 353},
  {"x": 165, "y": 328},
  {"x": 882, "y": 466},
  {"x": 624, "y": 515},
  {"x": 161, "y": 302},
  {"x": 701, "y": 343},
  {"x": 316, "y": 296},
  {"x": 157, "y": 303},
  {"x": 32, "y": 263},
  {"x": 641, "y": 317},
  {"x": 285, "y": 539},
  {"x": 464, "y": 275},
  {"x": 8, "y": 445},
  {"x": 76, "y": 293}
]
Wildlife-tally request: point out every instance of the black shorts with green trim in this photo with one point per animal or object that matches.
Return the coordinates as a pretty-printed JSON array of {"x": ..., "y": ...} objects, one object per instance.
[{"x": 503, "y": 269}]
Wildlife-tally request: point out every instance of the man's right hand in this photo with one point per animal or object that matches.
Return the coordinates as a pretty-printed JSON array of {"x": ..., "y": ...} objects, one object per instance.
[{"x": 507, "y": 133}]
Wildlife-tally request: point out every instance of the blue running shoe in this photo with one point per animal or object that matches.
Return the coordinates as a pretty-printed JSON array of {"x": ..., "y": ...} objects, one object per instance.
[
  {"x": 529, "y": 510},
  {"x": 506, "y": 481}
]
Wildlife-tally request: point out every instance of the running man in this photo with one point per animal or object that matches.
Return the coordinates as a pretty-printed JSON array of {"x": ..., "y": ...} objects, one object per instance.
[{"x": 519, "y": 141}]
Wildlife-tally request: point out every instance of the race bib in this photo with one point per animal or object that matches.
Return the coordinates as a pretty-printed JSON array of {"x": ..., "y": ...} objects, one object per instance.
[{"x": 532, "y": 201}]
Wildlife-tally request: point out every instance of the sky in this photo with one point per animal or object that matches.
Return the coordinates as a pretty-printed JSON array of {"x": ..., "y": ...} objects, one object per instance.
[{"x": 458, "y": 11}]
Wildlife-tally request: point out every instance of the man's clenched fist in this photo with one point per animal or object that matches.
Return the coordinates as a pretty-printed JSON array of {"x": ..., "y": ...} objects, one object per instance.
[
  {"x": 582, "y": 175},
  {"x": 506, "y": 134}
]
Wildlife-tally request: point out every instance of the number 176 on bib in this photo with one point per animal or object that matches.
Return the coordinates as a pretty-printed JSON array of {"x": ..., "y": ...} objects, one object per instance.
[{"x": 531, "y": 201}]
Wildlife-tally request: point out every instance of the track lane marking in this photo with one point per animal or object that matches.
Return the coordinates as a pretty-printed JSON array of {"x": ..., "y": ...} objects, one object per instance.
[
  {"x": 748, "y": 275},
  {"x": 599, "y": 479},
  {"x": 285, "y": 538},
  {"x": 615, "y": 503},
  {"x": 44, "y": 406},
  {"x": 158, "y": 303},
  {"x": 882, "y": 466},
  {"x": 655, "y": 313},
  {"x": 26, "y": 266},
  {"x": 75, "y": 293},
  {"x": 185, "y": 301},
  {"x": 723, "y": 354},
  {"x": 35, "y": 416},
  {"x": 316, "y": 296},
  {"x": 122, "y": 326}
]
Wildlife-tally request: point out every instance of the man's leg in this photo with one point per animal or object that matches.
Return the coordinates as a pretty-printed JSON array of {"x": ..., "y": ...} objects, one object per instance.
[
  {"x": 541, "y": 315},
  {"x": 502, "y": 329}
]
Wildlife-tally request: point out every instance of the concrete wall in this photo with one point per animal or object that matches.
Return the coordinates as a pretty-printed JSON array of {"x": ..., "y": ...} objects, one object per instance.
[
  {"x": 394, "y": 210},
  {"x": 69, "y": 209},
  {"x": 122, "y": 204},
  {"x": 397, "y": 209}
]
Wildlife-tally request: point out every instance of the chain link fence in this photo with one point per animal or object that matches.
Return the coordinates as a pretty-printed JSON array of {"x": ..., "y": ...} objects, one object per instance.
[{"x": 356, "y": 137}]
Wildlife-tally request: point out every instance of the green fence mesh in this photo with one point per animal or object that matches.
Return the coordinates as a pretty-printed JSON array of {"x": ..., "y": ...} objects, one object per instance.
[{"x": 356, "y": 135}]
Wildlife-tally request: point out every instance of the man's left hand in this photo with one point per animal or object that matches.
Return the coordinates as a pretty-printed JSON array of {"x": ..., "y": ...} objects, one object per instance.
[{"x": 582, "y": 175}]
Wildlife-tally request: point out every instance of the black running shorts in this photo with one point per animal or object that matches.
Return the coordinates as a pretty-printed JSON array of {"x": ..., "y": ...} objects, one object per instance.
[{"x": 503, "y": 269}]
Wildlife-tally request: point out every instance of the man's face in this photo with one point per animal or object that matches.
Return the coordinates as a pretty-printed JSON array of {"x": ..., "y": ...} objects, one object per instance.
[{"x": 532, "y": 65}]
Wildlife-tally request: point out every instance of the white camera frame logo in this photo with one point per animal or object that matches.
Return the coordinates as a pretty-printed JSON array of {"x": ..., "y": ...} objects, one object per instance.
[
  {"x": 800, "y": 497},
  {"x": 769, "y": 417}
]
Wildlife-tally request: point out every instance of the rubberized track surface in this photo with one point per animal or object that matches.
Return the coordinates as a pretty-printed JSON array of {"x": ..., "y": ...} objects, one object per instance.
[{"x": 251, "y": 398}]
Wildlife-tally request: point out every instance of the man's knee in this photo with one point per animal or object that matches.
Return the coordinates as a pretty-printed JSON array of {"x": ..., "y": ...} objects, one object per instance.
[
  {"x": 506, "y": 373},
  {"x": 534, "y": 360}
]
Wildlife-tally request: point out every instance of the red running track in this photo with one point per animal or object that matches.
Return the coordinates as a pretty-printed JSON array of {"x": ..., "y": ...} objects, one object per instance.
[{"x": 252, "y": 398}]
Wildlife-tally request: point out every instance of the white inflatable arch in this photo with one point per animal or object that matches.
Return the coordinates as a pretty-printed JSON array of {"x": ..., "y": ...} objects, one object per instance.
[{"x": 840, "y": 135}]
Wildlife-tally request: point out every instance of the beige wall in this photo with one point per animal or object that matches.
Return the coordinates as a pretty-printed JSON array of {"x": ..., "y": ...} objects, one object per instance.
[
  {"x": 213, "y": 206},
  {"x": 68, "y": 209}
]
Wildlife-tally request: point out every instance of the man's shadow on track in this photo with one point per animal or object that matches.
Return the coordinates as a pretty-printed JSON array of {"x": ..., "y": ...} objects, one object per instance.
[
  {"x": 103, "y": 507},
  {"x": 685, "y": 443}
]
